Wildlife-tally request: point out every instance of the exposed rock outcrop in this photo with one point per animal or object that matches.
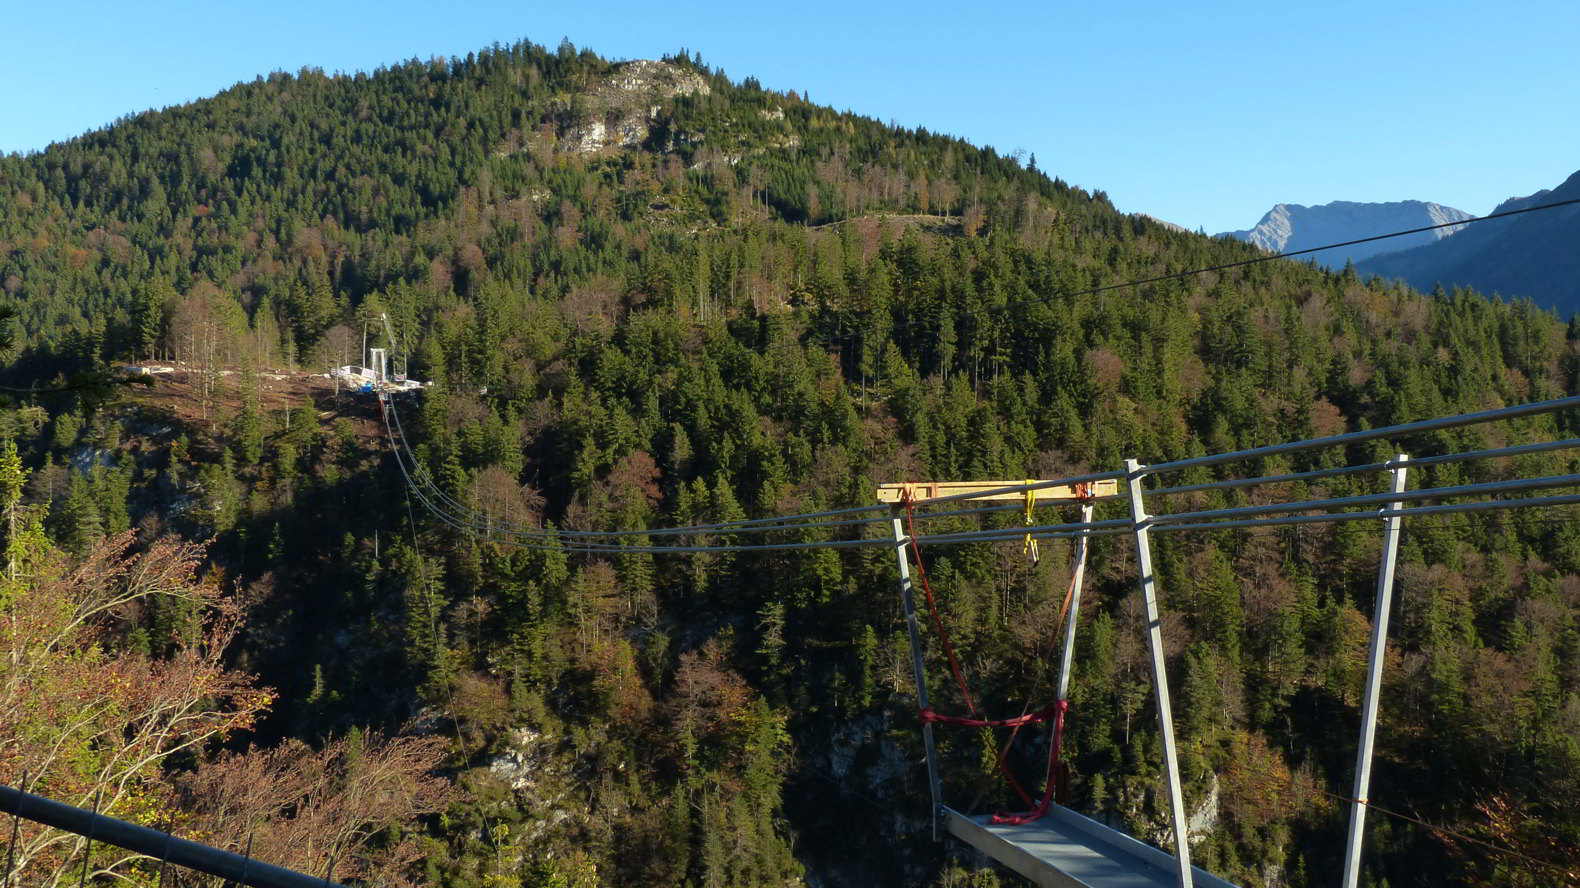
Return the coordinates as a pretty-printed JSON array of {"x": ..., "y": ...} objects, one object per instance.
[{"x": 619, "y": 112}]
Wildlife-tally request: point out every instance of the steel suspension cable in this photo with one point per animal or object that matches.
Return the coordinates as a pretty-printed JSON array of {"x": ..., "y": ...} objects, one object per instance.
[
  {"x": 478, "y": 520},
  {"x": 470, "y": 521},
  {"x": 549, "y": 540},
  {"x": 750, "y": 525}
]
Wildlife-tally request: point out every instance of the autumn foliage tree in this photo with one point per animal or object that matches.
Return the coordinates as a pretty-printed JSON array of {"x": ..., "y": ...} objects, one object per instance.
[
  {"x": 112, "y": 678},
  {"x": 87, "y": 713},
  {"x": 350, "y": 802}
]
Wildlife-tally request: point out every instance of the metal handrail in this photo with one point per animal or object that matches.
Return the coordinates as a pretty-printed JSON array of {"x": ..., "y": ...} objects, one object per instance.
[
  {"x": 239, "y": 869},
  {"x": 1394, "y": 431}
]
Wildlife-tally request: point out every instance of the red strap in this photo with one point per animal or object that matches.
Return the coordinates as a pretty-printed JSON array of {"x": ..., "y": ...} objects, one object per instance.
[
  {"x": 938, "y": 623},
  {"x": 1056, "y": 711},
  {"x": 949, "y": 650},
  {"x": 1030, "y": 718},
  {"x": 1041, "y": 808},
  {"x": 1038, "y": 809}
]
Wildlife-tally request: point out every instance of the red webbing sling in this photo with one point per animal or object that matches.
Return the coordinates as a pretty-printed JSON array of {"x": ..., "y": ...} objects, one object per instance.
[{"x": 1056, "y": 711}]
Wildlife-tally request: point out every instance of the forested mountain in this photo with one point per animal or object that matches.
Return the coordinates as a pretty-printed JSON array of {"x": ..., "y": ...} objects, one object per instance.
[
  {"x": 646, "y": 294},
  {"x": 1289, "y": 227},
  {"x": 1525, "y": 257}
]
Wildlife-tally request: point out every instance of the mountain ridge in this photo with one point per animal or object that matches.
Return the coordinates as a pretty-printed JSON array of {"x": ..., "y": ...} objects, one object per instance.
[
  {"x": 1529, "y": 256},
  {"x": 1293, "y": 227}
]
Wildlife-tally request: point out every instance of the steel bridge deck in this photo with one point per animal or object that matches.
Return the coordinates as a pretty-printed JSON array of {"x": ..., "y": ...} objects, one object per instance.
[{"x": 1063, "y": 849}]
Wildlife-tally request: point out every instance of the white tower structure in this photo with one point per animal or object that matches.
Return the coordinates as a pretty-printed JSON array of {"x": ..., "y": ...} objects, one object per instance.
[{"x": 379, "y": 365}]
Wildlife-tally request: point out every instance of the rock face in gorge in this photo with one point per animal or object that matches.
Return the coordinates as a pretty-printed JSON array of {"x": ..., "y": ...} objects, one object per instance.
[
  {"x": 1289, "y": 227},
  {"x": 1528, "y": 256}
]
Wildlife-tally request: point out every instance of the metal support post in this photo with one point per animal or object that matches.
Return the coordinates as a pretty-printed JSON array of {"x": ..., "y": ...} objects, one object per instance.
[
  {"x": 1134, "y": 473},
  {"x": 1072, "y": 615},
  {"x": 164, "y": 858},
  {"x": 87, "y": 852},
  {"x": 247, "y": 860},
  {"x": 1374, "y": 668},
  {"x": 1077, "y": 578},
  {"x": 16, "y": 826},
  {"x": 908, "y": 596}
]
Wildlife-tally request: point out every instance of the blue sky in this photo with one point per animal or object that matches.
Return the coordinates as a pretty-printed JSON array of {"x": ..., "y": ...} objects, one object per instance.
[{"x": 1205, "y": 114}]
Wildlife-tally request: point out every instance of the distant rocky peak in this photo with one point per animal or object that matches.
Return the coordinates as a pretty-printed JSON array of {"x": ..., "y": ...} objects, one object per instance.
[
  {"x": 1288, "y": 227},
  {"x": 1275, "y": 229}
]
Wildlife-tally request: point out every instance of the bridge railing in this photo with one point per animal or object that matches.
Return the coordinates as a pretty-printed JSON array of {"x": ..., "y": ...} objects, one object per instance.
[
  {"x": 1389, "y": 508},
  {"x": 235, "y": 869}
]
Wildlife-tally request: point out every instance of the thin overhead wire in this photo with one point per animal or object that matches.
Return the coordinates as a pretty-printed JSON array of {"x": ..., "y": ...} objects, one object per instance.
[
  {"x": 877, "y": 511},
  {"x": 748, "y": 525},
  {"x": 548, "y": 541},
  {"x": 1219, "y": 519},
  {"x": 1288, "y": 254},
  {"x": 1224, "y": 266}
]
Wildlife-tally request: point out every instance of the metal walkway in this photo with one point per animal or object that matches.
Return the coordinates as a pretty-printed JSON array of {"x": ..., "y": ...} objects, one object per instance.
[{"x": 1063, "y": 849}]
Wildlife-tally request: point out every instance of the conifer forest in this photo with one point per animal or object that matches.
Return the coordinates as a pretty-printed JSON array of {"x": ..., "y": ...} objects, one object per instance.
[{"x": 648, "y": 295}]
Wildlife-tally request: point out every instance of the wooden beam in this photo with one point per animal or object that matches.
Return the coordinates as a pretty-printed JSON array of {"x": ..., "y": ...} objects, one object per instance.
[{"x": 920, "y": 492}]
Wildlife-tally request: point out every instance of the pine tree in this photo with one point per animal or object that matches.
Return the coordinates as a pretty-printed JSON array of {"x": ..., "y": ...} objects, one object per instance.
[
  {"x": 148, "y": 315},
  {"x": 80, "y": 524},
  {"x": 13, "y": 477}
]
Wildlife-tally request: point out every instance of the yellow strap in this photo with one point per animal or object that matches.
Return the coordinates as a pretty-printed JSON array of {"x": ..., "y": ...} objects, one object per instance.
[{"x": 1030, "y": 546}]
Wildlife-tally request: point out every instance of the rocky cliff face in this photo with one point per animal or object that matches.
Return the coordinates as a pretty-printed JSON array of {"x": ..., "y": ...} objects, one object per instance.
[
  {"x": 1289, "y": 227},
  {"x": 618, "y": 112}
]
